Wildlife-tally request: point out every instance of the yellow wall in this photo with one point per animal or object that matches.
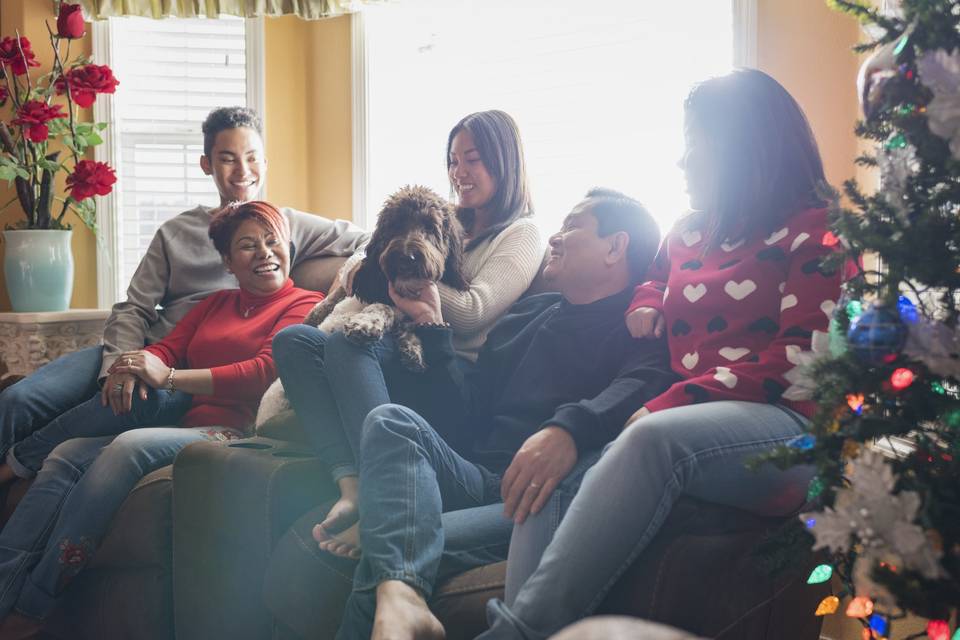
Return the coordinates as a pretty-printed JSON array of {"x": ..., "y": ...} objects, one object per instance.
[
  {"x": 806, "y": 46},
  {"x": 28, "y": 17},
  {"x": 308, "y": 119}
]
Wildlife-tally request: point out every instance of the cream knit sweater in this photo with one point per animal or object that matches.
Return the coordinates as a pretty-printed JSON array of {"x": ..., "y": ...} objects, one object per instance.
[{"x": 499, "y": 270}]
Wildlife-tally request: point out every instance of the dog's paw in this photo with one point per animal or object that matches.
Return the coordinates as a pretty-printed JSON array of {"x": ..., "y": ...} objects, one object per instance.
[
  {"x": 364, "y": 328},
  {"x": 411, "y": 351}
]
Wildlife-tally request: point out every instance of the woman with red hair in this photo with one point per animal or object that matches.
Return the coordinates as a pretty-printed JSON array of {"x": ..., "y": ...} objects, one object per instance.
[{"x": 206, "y": 377}]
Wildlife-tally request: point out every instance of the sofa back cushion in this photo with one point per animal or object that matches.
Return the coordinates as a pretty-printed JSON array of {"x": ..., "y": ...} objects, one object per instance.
[{"x": 317, "y": 274}]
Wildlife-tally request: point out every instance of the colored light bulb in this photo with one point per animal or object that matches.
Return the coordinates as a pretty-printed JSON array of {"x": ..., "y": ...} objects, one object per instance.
[
  {"x": 830, "y": 239},
  {"x": 860, "y": 607},
  {"x": 828, "y": 605},
  {"x": 855, "y": 402},
  {"x": 902, "y": 378},
  {"x": 879, "y": 624},
  {"x": 908, "y": 311},
  {"x": 854, "y": 309},
  {"x": 804, "y": 442},
  {"x": 820, "y": 573},
  {"x": 938, "y": 630}
]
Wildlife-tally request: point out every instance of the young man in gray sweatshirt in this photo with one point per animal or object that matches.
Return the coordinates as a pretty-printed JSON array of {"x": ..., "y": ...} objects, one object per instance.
[{"x": 180, "y": 268}]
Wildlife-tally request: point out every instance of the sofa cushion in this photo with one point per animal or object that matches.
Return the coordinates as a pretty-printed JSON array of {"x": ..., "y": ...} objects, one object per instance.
[
  {"x": 317, "y": 274},
  {"x": 116, "y": 604},
  {"x": 141, "y": 532}
]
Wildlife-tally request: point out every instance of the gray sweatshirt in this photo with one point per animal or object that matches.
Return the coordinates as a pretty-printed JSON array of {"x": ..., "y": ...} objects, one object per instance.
[{"x": 181, "y": 267}]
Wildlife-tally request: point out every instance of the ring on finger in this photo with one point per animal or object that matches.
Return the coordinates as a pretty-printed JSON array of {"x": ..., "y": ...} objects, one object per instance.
[
  {"x": 128, "y": 362},
  {"x": 118, "y": 386},
  {"x": 534, "y": 485}
]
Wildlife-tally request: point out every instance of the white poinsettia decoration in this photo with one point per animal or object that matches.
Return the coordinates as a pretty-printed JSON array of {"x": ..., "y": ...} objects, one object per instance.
[
  {"x": 939, "y": 71},
  {"x": 897, "y": 166},
  {"x": 936, "y": 345},
  {"x": 802, "y": 383},
  {"x": 868, "y": 512}
]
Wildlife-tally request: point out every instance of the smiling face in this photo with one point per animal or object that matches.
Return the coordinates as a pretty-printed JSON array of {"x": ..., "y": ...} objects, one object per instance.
[
  {"x": 474, "y": 185},
  {"x": 258, "y": 258},
  {"x": 237, "y": 164},
  {"x": 578, "y": 254}
]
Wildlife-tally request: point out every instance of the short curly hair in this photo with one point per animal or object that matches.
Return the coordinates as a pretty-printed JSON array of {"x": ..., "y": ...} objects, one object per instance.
[
  {"x": 223, "y": 118},
  {"x": 225, "y": 223}
]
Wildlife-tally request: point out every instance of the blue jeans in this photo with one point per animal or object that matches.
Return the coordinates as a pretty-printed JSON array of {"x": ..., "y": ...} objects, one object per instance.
[
  {"x": 46, "y": 393},
  {"x": 67, "y": 510},
  {"x": 697, "y": 450},
  {"x": 332, "y": 407},
  {"x": 408, "y": 477},
  {"x": 90, "y": 419}
]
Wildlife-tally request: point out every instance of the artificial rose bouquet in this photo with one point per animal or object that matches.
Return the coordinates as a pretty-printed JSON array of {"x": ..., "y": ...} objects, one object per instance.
[{"x": 26, "y": 159}]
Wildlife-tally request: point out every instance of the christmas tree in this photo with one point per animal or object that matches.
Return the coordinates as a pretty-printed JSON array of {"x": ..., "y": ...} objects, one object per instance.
[{"x": 885, "y": 440}]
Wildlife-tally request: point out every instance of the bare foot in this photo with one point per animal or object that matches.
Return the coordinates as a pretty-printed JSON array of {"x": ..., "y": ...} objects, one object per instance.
[
  {"x": 339, "y": 532},
  {"x": 345, "y": 544},
  {"x": 345, "y": 511},
  {"x": 403, "y": 614}
]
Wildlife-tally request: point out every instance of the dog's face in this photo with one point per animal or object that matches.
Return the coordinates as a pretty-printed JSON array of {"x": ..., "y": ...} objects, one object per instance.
[{"x": 417, "y": 238}]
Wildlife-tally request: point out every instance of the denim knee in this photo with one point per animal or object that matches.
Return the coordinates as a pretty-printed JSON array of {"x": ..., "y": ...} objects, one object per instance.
[
  {"x": 385, "y": 424},
  {"x": 294, "y": 341}
]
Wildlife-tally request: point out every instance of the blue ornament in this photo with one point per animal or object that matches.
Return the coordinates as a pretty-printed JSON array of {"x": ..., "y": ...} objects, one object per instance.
[{"x": 877, "y": 336}]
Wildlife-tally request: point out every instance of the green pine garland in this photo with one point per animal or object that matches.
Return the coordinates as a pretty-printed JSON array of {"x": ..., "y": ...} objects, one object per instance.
[{"x": 917, "y": 239}]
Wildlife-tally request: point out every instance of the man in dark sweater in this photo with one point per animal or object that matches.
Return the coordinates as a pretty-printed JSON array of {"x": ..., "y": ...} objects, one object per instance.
[{"x": 557, "y": 379}]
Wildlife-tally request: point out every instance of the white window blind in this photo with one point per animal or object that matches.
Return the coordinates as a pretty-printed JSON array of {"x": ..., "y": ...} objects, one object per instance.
[
  {"x": 596, "y": 89},
  {"x": 172, "y": 72}
]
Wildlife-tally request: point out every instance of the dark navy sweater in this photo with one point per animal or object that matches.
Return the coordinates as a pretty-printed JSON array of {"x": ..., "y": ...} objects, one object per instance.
[{"x": 546, "y": 362}]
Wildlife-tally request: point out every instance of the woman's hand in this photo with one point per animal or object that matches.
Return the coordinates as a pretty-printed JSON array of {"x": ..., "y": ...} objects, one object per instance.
[
  {"x": 645, "y": 322},
  {"x": 424, "y": 308},
  {"x": 144, "y": 365},
  {"x": 118, "y": 390}
]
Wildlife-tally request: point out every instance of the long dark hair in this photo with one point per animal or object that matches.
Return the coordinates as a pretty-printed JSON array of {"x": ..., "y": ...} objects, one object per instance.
[
  {"x": 765, "y": 156},
  {"x": 497, "y": 139}
]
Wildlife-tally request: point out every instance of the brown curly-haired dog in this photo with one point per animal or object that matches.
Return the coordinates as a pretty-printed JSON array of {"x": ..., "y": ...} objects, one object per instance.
[{"x": 417, "y": 238}]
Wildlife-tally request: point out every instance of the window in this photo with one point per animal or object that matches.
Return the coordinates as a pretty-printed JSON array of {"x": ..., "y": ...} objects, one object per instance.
[
  {"x": 172, "y": 72},
  {"x": 596, "y": 89}
]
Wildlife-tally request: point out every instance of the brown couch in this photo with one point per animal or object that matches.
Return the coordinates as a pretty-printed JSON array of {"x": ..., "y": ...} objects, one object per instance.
[{"x": 218, "y": 546}]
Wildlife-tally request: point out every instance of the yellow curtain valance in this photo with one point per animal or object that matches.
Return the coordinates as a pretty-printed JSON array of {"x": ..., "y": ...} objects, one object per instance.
[{"x": 307, "y": 9}]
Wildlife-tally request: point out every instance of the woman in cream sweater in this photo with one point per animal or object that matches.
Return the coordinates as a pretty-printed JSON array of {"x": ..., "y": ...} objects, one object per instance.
[{"x": 487, "y": 173}]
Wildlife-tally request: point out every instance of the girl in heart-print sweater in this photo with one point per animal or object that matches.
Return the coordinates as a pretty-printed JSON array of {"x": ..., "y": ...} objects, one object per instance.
[
  {"x": 735, "y": 316},
  {"x": 738, "y": 289}
]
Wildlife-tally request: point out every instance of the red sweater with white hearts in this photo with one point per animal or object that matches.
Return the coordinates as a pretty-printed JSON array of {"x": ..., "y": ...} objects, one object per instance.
[{"x": 735, "y": 316}]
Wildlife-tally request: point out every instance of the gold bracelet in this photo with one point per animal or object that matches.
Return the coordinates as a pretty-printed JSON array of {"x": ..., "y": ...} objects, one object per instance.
[{"x": 170, "y": 385}]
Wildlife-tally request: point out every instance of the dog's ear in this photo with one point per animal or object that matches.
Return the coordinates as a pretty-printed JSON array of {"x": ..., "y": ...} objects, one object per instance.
[
  {"x": 369, "y": 283},
  {"x": 453, "y": 266}
]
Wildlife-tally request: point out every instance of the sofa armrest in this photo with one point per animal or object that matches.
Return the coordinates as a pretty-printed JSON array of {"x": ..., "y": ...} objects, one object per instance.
[{"x": 231, "y": 503}]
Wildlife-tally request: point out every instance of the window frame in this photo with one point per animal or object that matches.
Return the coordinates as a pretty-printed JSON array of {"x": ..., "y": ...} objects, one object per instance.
[{"x": 110, "y": 285}]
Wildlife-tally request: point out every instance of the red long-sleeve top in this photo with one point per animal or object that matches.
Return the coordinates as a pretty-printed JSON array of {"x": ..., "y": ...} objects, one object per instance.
[
  {"x": 737, "y": 315},
  {"x": 231, "y": 333}
]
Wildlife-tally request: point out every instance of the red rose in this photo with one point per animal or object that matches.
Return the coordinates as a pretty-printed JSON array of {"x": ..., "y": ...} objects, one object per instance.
[
  {"x": 10, "y": 55},
  {"x": 86, "y": 82},
  {"x": 34, "y": 115},
  {"x": 90, "y": 178},
  {"x": 70, "y": 21}
]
